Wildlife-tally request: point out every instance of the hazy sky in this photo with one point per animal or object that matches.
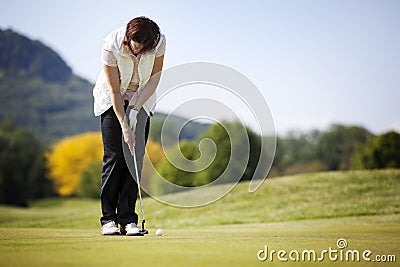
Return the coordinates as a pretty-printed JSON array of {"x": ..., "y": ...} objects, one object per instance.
[{"x": 316, "y": 62}]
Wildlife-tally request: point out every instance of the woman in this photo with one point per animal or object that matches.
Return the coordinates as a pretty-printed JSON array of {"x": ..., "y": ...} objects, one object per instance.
[{"x": 132, "y": 58}]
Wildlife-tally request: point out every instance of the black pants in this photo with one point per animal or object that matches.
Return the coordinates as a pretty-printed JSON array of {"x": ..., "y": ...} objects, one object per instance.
[{"x": 118, "y": 188}]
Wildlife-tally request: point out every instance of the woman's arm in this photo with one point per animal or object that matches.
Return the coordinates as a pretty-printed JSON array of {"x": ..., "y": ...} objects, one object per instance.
[
  {"x": 114, "y": 84},
  {"x": 151, "y": 85}
]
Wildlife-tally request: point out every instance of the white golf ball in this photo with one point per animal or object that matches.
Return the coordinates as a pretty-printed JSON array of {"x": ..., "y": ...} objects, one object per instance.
[{"x": 159, "y": 232}]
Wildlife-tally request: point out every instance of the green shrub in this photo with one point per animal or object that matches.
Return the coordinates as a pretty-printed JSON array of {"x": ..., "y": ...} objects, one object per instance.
[{"x": 89, "y": 184}]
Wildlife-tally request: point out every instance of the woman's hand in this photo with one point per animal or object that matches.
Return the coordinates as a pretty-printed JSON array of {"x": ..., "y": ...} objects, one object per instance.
[
  {"x": 132, "y": 118},
  {"x": 129, "y": 127},
  {"x": 128, "y": 134}
]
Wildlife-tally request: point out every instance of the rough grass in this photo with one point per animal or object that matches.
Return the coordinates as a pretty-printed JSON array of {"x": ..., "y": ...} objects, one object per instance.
[
  {"x": 300, "y": 197},
  {"x": 309, "y": 211}
]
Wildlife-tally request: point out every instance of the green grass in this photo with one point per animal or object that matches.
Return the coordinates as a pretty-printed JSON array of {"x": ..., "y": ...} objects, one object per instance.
[
  {"x": 309, "y": 211},
  {"x": 300, "y": 197},
  {"x": 233, "y": 245}
]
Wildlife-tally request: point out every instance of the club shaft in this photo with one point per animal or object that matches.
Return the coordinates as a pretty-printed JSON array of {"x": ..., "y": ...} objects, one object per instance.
[{"x": 138, "y": 183}]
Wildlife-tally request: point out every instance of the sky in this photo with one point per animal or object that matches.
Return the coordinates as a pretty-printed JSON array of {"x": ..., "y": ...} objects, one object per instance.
[{"x": 315, "y": 62}]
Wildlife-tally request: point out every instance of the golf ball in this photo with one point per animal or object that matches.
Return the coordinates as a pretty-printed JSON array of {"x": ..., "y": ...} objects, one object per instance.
[{"x": 159, "y": 232}]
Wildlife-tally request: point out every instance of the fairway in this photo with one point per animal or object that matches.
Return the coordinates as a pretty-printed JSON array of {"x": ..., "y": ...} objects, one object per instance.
[{"x": 302, "y": 213}]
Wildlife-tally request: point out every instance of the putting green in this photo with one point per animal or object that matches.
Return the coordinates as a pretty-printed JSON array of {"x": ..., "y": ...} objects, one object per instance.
[{"x": 234, "y": 245}]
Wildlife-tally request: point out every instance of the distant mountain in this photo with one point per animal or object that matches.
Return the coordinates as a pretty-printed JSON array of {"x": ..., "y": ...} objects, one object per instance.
[
  {"x": 23, "y": 58},
  {"x": 190, "y": 131},
  {"x": 38, "y": 90}
]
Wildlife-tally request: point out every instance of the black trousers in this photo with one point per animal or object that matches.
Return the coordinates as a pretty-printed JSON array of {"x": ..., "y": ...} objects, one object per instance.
[{"x": 118, "y": 188}]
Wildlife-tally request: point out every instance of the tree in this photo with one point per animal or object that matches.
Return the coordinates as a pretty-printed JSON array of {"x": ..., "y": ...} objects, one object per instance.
[
  {"x": 295, "y": 149},
  {"x": 89, "y": 183},
  {"x": 338, "y": 144},
  {"x": 176, "y": 175},
  {"x": 227, "y": 137},
  {"x": 22, "y": 175},
  {"x": 219, "y": 135},
  {"x": 297, "y": 152},
  {"x": 154, "y": 151},
  {"x": 254, "y": 156},
  {"x": 380, "y": 152},
  {"x": 70, "y": 157},
  {"x": 154, "y": 155}
]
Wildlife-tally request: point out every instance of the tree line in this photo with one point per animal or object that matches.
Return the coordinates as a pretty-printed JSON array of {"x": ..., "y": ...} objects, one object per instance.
[{"x": 72, "y": 166}]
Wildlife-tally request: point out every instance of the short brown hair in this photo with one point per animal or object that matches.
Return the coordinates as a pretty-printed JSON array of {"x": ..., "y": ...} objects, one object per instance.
[{"x": 144, "y": 31}]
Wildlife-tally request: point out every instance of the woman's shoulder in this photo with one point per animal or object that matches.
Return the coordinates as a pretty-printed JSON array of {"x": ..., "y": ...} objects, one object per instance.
[
  {"x": 113, "y": 40},
  {"x": 162, "y": 40},
  {"x": 160, "y": 47}
]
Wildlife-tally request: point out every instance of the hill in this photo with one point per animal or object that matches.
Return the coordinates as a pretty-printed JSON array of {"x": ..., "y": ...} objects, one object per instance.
[
  {"x": 190, "y": 130},
  {"x": 291, "y": 198},
  {"x": 21, "y": 57},
  {"x": 38, "y": 91}
]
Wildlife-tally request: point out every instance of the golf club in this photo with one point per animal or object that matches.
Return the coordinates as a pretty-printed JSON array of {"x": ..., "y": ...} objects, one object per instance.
[{"x": 142, "y": 231}]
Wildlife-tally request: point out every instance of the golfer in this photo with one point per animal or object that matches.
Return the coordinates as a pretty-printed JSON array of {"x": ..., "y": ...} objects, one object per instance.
[{"x": 124, "y": 97}]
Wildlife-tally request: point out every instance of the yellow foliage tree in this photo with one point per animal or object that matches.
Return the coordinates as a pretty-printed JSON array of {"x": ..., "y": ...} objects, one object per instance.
[
  {"x": 69, "y": 157},
  {"x": 154, "y": 154},
  {"x": 154, "y": 151}
]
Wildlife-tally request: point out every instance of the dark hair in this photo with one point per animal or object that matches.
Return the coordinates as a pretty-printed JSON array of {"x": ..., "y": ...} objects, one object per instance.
[{"x": 144, "y": 31}]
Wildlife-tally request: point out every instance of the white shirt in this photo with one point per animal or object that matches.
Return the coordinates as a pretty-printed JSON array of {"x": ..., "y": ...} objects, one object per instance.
[{"x": 134, "y": 71}]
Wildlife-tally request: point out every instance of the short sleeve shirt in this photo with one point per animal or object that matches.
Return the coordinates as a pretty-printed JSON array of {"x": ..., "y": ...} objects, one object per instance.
[{"x": 109, "y": 59}]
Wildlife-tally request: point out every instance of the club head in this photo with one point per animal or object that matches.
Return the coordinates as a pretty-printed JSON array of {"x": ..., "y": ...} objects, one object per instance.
[{"x": 143, "y": 232}]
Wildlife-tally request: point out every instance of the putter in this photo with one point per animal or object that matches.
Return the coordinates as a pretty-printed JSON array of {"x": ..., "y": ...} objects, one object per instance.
[{"x": 142, "y": 231}]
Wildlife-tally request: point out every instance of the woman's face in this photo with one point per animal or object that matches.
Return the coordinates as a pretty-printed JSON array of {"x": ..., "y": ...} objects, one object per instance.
[{"x": 135, "y": 47}]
